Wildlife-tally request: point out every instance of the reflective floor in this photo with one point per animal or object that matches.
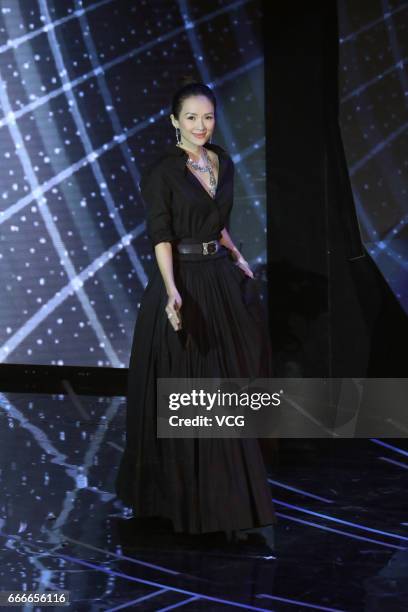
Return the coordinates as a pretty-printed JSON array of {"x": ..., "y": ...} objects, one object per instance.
[{"x": 341, "y": 540}]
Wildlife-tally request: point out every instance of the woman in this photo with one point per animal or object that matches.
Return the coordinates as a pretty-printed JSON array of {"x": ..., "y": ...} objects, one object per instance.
[{"x": 195, "y": 320}]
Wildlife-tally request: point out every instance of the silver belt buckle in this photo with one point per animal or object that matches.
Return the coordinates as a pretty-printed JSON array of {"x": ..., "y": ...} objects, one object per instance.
[{"x": 205, "y": 247}]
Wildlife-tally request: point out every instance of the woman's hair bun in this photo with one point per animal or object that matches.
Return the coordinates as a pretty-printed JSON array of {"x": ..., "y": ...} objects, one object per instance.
[{"x": 188, "y": 79}]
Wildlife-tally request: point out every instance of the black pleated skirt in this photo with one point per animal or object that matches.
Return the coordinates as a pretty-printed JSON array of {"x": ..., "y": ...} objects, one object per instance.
[{"x": 200, "y": 484}]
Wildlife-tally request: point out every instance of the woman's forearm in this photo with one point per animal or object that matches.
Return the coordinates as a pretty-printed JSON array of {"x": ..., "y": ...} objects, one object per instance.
[
  {"x": 227, "y": 242},
  {"x": 164, "y": 256}
]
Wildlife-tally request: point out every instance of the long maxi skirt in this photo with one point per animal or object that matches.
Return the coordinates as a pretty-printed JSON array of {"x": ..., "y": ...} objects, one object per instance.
[{"x": 200, "y": 484}]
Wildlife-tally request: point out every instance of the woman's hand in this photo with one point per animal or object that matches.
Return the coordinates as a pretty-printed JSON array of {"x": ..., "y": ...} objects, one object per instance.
[
  {"x": 234, "y": 253},
  {"x": 173, "y": 307},
  {"x": 244, "y": 265},
  {"x": 241, "y": 262}
]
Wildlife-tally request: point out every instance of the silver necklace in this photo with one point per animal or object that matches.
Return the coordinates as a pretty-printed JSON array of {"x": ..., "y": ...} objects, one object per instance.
[{"x": 207, "y": 168}]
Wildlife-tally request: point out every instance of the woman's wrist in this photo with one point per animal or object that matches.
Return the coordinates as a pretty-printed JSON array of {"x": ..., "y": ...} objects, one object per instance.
[
  {"x": 237, "y": 255},
  {"x": 170, "y": 289}
]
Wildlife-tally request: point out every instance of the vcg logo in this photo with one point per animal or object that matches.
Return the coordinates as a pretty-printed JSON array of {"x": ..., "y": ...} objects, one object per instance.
[{"x": 230, "y": 420}]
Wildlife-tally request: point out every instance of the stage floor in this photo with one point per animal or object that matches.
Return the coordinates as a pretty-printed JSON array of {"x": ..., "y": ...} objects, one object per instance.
[{"x": 341, "y": 542}]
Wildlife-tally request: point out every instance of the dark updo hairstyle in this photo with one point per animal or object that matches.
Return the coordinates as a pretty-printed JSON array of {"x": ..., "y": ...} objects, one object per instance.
[{"x": 190, "y": 87}]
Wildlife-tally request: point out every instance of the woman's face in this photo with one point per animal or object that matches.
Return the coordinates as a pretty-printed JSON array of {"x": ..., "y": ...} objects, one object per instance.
[{"x": 196, "y": 121}]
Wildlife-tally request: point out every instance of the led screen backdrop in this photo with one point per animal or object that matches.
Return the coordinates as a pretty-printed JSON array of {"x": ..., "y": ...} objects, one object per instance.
[
  {"x": 374, "y": 122},
  {"x": 84, "y": 103},
  {"x": 85, "y": 93}
]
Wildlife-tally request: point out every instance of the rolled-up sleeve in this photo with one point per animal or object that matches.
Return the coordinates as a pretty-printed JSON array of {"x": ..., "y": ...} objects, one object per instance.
[{"x": 156, "y": 195}]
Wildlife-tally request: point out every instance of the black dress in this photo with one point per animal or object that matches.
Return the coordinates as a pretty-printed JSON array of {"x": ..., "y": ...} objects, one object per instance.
[{"x": 200, "y": 484}]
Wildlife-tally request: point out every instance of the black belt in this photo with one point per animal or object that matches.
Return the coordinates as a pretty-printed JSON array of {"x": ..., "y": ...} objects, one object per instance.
[{"x": 202, "y": 248}]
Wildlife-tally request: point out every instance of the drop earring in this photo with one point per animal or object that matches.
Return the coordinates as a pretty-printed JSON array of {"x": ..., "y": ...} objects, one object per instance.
[{"x": 178, "y": 133}]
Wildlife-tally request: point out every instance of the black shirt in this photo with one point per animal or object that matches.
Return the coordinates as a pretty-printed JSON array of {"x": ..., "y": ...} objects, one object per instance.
[{"x": 177, "y": 204}]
